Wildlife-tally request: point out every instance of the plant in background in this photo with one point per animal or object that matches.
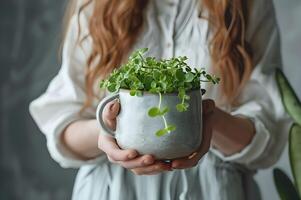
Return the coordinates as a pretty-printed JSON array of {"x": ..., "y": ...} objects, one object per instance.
[
  {"x": 147, "y": 74},
  {"x": 287, "y": 189}
]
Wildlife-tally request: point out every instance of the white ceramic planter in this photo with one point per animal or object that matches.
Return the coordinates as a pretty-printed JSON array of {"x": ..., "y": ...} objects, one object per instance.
[{"x": 136, "y": 130}]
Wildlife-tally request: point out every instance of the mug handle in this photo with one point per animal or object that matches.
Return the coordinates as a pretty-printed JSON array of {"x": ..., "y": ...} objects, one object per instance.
[{"x": 99, "y": 112}]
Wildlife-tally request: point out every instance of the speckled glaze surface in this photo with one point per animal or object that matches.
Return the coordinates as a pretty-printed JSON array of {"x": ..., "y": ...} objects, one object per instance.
[{"x": 136, "y": 130}]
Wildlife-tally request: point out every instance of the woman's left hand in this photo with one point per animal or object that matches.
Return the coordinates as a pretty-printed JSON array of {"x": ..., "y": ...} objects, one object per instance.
[{"x": 193, "y": 159}]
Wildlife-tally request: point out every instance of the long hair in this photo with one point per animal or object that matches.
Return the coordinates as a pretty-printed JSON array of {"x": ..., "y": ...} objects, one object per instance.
[{"x": 115, "y": 25}]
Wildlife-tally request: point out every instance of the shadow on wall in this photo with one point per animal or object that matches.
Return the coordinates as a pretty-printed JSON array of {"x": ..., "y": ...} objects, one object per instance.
[{"x": 29, "y": 36}]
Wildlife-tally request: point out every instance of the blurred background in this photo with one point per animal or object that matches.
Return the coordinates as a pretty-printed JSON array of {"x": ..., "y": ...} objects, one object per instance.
[{"x": 30, "y": 33}]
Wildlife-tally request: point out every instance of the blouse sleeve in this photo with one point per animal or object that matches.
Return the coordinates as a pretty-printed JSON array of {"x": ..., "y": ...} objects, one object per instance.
[
  {"x": 64, "y": 97},
  {"x": 260, "y": 100}
]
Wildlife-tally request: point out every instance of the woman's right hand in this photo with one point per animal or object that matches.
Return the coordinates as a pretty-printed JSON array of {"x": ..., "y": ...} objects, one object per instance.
[{"x": 130, "y": 158}]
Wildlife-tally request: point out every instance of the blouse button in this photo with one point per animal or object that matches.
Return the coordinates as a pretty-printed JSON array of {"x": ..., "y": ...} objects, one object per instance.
[{"x": 168, "y": 45}]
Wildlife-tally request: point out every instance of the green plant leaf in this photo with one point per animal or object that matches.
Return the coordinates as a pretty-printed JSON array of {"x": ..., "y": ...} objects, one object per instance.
[
  {"x": 153, "y": 84},
  {"x": 154, "y": 111},
  {"x": 139, "y": 93},
  {"x": 112, "y": 87},
  {"x": 133, "y": 92},
  {"x": 157, "y": 75},
  {"x": 289, "y": 98},
  {"x": 164, "y": 111},
  {"x": 284, "y": 185},
  {"x": 180, "y": 75},
  {"x": 295, "y": 154},
  {"x": 171, "y": 128},
  {"x": 161, "y": 132},
  {"x": 186, "y": 97},
  {"x": 188, "y": 69},
  {"x": 180, "y": 107},
  {"x": 189, "y": 77}
]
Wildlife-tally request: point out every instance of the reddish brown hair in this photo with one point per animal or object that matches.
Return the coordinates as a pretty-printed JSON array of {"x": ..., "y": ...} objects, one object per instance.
[{"x": 115, "y": 25}]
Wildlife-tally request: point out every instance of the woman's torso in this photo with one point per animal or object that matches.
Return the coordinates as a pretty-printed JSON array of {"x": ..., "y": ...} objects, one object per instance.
[{"x": 172, "y": 28}]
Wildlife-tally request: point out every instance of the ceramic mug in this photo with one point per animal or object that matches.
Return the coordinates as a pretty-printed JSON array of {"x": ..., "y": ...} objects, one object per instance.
[{"x": 136, "y": 130}]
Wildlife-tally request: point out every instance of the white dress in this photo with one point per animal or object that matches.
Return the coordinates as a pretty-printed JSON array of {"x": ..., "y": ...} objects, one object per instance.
[{"x": 172, "y": 28}]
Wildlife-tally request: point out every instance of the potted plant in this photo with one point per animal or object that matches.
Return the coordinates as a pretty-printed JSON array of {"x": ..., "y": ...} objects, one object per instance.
[
  {"x": 158, "y": 98},
  {"x": 287, "y": 189}
]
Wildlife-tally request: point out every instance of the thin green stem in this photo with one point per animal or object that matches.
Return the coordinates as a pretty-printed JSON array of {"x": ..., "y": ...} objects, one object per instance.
[
  {"x": 165, "y": 123},
  {"x": 143, "y": 61},
  {"x": 159, "y": 106},
  {"x": 160, "y": 100}
]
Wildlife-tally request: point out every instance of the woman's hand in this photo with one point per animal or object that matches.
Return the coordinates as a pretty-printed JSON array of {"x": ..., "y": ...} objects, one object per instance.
[
  {"x": 192, "y": 160},
  {"x": 130, "y": 159}
]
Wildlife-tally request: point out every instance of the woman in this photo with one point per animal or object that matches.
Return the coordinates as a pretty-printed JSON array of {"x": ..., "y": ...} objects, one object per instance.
[{"x": 238, "y": 40}]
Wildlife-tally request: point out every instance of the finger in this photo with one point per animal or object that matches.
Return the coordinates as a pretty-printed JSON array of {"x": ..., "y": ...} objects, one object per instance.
[
  {"x": 110, "y": 147},
  {"x": 111, "y": 110},
  {"x": 138, "y": 162},
  {"x": 111, "y": 123},
  {"x": 194, "y": 158},
  {"x": 208, "y": 106},
  {"x": 156, "y": 168}
]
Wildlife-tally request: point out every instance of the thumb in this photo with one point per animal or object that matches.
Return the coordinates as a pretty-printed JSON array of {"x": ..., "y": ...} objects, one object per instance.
[
  {"x": 111, "y": 110},
  {"x": 110, "y": 113}
]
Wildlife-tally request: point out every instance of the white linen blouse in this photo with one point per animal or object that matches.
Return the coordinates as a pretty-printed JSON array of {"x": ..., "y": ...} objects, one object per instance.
[{"x": 172, "y": 28}]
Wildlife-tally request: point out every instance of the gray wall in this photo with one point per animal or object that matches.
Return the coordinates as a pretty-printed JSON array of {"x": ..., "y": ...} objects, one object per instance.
[{"x": 29, "y": 38}]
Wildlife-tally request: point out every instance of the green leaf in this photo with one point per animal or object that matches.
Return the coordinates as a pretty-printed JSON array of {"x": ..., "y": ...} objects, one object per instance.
[
  {"x": 133, "y": 92},
  {"x": 102, "y": 84},
  {"x": 186, "y": 97},
  {"x": 137, "y": 61},
  {"x": 208, "y": 77},
  {"x": 284, "y": 185},
  {"x": 295, "y": 154},
  {"x": 180, "y": 107},
  {"x": 189, "y": 77},
  {"x": 143, "y": 50},
  {"x": 147, "y": 82},
  {"x": 163, "y": 85},
  {"x": 289, "y": 98},
  {"x": 139, "y": 93},
  {"x": 153, "y": 84},
  {"x": 180, "y": 75},
  {"x": 157, "y": 75},
  {"x": 164, "y": 111},
  {"x": 171, "y": 128},
  {"x": 154, "y": 111},
  {"x": 188, "y": 69},
  {"x": 112, "y": 87},
  {"x": 161, "y": 132}
]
